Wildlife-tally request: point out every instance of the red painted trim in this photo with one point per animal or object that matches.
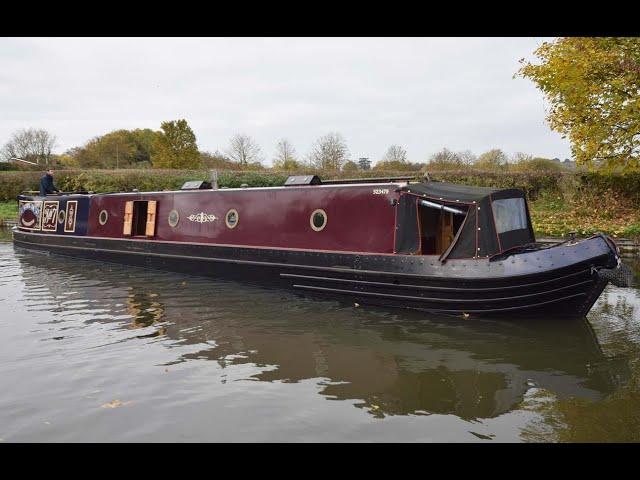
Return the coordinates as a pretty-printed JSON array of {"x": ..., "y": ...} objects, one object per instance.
[{"x": 395, "y": 224}]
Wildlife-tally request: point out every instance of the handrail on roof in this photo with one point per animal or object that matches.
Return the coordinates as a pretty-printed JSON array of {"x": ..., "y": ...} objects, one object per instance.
[
  {"x": 37, "y": 192},
  {"x": 370, "y": 180}
]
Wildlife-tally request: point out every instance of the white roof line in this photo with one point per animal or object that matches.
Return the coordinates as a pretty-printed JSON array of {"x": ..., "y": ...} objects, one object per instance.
[{"x": 297, "y": 187}]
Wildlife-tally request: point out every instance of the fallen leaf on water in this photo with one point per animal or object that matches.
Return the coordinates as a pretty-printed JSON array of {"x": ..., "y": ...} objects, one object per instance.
[{"x": 115, "y": 404}]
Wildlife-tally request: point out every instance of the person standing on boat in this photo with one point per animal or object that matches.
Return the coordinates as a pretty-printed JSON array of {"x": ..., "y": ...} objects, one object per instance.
[{"x": 46, "y": 183}]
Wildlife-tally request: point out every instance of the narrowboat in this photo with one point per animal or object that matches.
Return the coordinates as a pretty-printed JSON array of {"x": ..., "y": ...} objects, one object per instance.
[{"x": 393, "y": 242}]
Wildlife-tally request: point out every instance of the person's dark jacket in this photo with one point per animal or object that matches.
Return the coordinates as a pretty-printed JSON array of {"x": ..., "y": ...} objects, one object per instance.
[{"x": 47, "y": 186}]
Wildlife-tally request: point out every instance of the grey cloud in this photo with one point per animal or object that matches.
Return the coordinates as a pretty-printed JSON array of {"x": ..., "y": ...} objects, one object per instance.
[{"x": 423, "y": 93}]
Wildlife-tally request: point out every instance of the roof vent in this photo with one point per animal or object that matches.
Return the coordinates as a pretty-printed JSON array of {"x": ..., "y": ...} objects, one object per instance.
[
  {"x": 196, "y": 185},
  {"x": 302, "y": 180}
]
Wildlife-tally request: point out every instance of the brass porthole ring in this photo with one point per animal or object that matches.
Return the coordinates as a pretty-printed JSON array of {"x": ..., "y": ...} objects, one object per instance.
[
  {"x": 173, "y": 218},
  {"x": 103, "y": 217},
  {"x": 232, "y": 218},
  {"x": 318, "y": 220},
  {"x": 61, "y": 217}
]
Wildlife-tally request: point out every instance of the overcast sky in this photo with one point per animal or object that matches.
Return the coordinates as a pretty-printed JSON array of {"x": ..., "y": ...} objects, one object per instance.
[{"x": 421, "y": 93}]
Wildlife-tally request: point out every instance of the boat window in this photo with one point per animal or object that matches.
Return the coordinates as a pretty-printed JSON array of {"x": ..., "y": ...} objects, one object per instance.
[
  {"x": 61, "y": 217},
  {"x": 174, "y": 218},
  {"x": 438, "y": 227},
  {"x": 103, "y": 217},
  {"x": 318, "y": 220},
  {"x": 140, "y": 218},
  {"x": 510, "y": 214},
  {"x": 231, "y": 219}
]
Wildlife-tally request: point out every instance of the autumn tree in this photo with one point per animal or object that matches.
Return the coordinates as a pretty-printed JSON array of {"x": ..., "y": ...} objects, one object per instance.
[
  {"x": 117, "y": 149},
  {"x": 175, "y": 146},
  {"x": 350, "y": 167},
  {"x": 467, "y": 158},
  {"x": 593, "y": 88},
  {"x": 395, "y": 153},
  {"x": 364, "y": 163},
  {"x": 494, "y": 159},
  {"x": 522, "y": 162},
  {"x": 32, "y": 144},
  {"x": 216, "y": 160},
  {"x": 285, "y": 158},
  {"x": 521, "y": 157},
  {"x": 244, "y": 150},
  {"x": 329, "y": 152},
  {"x": 446, "y": 159}
]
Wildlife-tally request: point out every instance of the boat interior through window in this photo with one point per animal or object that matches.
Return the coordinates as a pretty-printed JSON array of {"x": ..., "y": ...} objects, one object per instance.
[
  {"x": 439, "y": 224},
  {"x": 140, "y": 218}
]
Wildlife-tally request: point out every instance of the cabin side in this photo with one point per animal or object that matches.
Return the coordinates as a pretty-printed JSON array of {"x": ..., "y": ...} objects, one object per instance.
[
  {"x": 54, "y": 214},
  {"x": 341, "y": 218},
  {"x": 434, "y": 219}
]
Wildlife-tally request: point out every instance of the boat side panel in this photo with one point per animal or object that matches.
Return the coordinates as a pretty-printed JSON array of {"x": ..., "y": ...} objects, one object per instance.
[
  {"x": 79, "y": 224},
  {"x": 358, "y": 219}
]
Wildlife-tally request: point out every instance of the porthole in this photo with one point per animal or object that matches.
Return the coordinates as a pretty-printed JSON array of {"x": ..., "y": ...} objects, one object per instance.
[
  {"x": 61, "y": 217},
  {"x": 232, "y": 218},
  {"x": 318, "y": 220},
  {"x": 103, "y": 217},
  {"x": 173, "y": 218}
]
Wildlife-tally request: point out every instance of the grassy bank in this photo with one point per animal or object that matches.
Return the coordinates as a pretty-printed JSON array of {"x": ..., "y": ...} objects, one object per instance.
[
  {"x": 560, "y": 202},
  {"x": 8, "y": 211},
  {"x": 554, "y": 216}
]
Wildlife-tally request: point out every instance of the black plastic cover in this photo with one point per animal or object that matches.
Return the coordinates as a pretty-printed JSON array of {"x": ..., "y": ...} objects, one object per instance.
[
  {"x": 196, "y": 185},
  {"x": 302, "y": 180},
  {"x": 407, "y": 234}
]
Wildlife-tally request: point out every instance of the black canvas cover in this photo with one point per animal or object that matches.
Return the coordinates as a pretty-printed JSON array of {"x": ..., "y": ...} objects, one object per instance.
[
  {"x": 520, "y": 236},
  {"x": 449, "y": 191},
  {"x": 482, "y": 234},
  {"x": 464, "y": 245},
  {"x": 407, "y": 233}
]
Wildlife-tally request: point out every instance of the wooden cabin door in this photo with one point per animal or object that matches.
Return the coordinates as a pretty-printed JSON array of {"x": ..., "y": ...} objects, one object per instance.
[
  {"x": 128, "y": 218},
  {"x": 151, "y": 218},
  {"x": 445, "y": 232}
]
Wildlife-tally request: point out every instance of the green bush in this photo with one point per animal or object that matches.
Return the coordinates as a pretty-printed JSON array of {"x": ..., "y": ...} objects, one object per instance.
[
  {"x": 568, "y": 185},
  {"x": 535, "y": 165}
]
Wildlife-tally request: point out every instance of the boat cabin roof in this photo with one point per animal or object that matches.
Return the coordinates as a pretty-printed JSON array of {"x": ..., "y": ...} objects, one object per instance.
[{"x": 456, "y": 193}]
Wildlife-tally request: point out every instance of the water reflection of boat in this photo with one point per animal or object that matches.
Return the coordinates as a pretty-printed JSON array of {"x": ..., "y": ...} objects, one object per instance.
[{"x": 389, "y": 363}]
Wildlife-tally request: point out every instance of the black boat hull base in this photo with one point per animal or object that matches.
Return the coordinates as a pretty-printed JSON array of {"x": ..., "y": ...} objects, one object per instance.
[{"x": 558, "y": 281}]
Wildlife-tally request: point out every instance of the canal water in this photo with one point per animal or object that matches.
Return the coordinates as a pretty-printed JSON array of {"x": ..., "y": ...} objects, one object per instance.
[{"x": 98, "y": 352}]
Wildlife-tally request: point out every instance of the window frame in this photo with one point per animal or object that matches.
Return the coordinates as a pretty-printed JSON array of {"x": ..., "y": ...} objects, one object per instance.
[
  {"x": 325, "y": 217},
  {"x": 226, "y": 218}
]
